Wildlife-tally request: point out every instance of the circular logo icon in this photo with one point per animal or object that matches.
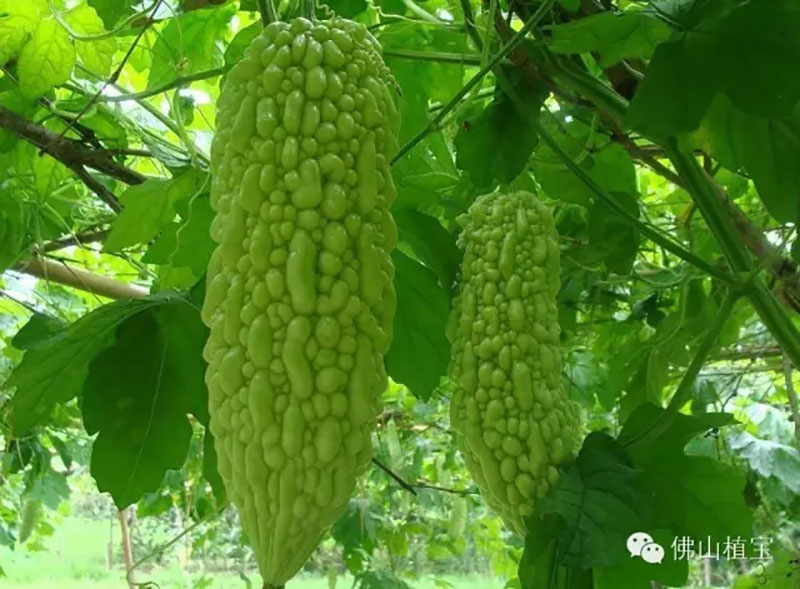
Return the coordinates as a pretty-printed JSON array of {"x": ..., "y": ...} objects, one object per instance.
[
  {"x": 652, "y": 553},
  {"x": 637, "y": 541}
]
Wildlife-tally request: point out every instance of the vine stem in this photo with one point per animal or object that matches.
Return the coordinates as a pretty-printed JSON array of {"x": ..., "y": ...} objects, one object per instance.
[
  {"x": 705, "y": 195},
  {"x": 420, "y": 12},
  {"x": 684, "y": 390},
  {"x": 788, "y": 369},
  {"x": 436, "y": 56},
  {"x": 160, "y": 549},
  {"x": 308, "y": 12},
  {"x": 654, "y": 234},
  {"x": 61, "y": 273},
  {"x": 412, "y": 487},
  {"x": 267, "y": 10},
  {"x": 152, "y": 110},
  {"x": 544, "y": 7},
  {"x": 176, "y": 83},
  {"x": 127, "y": 551},
  {"x": 703, "y": 192},
  {"x": 651, "y": 232},
  {"x": 397, "y": 478},
  {"x": 441, "y": 57}
]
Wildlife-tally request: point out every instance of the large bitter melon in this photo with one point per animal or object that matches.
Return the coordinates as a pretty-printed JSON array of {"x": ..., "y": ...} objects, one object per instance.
[
  {"x": 300, "y": 298},
  {"x": 514, "y": 424}
]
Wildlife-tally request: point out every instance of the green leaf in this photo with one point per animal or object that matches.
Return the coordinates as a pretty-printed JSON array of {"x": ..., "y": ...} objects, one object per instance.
[
  {"x": 96, "y": 55},
  {"x": 381, "y": 580},
  {"x": 767, "y": 149},
  {"x": 17, "y": 21},
  {"x": 600, "y": 501},
  {"x": 107, "y": 128},
  {"x": 182, "y": 111},
  {"x": 14, "y": 101},
  {"x": 46, "y": 60},
  {"x": 635, "y": 573},
  {"x": 615, "y": 36},
  {"x": 137, "y": 396},
  {"x": 160, "y": 250},
  {"x": 421, "y": 187},
  {"x": 696, "y": 496},
  {"x": 682, "y": 429},
  {"x": 46, "y": 172},
  {"x": 746, "y": 50},
  {"x": 612, "y": 168},
  {"x": 12, "y": 231},
  {"x": 189, "y": 44},
  {"x": 781, "y": 573},
  {"x": 55, "y": 372},
  {"x": 769, "y": 459},
  {"x": 35, "y": 333},
  {"x": 420, "y": 350},
  {"x": 699, "y": 496},
  {"x": 422, "y": 82},
  {"x": 149, "y": 206},
  {"x": 50, "y": 488},
  {"x": 193, "y": 243},
  {"x": 614, "y": 237},
  {"x": 347, "y": 8},
  {"x": 211, "y": 470},
  {"x": 235, "y": 49},
  {"x": 496, "y": 144},
  {"x": 111, "y": 11},
  {"x": 431, "y": 243},
  {"x": 355, "y": 533},
  {"x": 540, "y": 567}
]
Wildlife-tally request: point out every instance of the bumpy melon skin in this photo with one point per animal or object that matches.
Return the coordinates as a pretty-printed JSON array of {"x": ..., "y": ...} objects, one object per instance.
[
  {"x": 300, "y": 298},
  {"x": 514, "y": 424}
]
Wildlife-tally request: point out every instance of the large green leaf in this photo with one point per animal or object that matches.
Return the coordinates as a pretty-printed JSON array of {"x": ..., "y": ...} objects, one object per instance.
[
  {"x": 96, "y": 55},
  {"x": 766, "y": 149},
  {"x": 46, "y": 60},
  {"x": 111, "y": 11},
  {"x": 12, "y": 231},
  {"x": 585, "y": 523},
  {"x": 420, "y": 351},
  {"x": 236, "y": 48},
  {"x": 149, "y": 206},
  {"x": 600, "y": 501},
  {"x": 636, "y": 573},
  {"x": 17, "y": 21},
  {"x": 189, "y": 44},
  {"x": 193, "y": 243},
  {"x": 495, "y": 144},
  {"x": 697, "y": 495},
  {"x": 747, "y": 50},
  {"x": 769, "y": 459},
  {"x": 431, "y": 243},
  {"x": 614, "y": 36},
  {"x": 614, "y": 237},
  {"x": 35, "y": 333},
  {"x": 611, "y": 168},
  {"x": 137, "y": 396},
  {"x": 347, "y": 8},
  {"x": 540, "y": 566},
  {"x": 55, "y": 372}
]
